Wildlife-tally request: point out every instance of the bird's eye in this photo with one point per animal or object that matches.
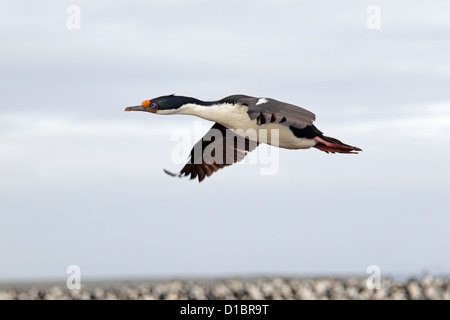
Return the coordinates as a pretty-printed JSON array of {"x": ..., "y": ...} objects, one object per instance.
[{"x": 153, "y": 105}]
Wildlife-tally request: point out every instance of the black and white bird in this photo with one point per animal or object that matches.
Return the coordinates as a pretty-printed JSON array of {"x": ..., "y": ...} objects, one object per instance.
[{"x": 241, "y": 123}]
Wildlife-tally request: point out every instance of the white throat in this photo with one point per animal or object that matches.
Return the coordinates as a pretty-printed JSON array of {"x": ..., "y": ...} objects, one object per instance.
[{"x": 222, "y": 113}]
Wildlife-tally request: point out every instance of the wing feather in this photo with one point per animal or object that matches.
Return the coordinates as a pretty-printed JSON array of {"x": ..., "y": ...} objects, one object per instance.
[
  {"x": 274, "y": 111},
  {"x": 218, "y": 148}
]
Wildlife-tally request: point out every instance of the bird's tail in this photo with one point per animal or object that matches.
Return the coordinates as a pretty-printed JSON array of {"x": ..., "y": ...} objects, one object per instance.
[{"x": 333, "y": 145}]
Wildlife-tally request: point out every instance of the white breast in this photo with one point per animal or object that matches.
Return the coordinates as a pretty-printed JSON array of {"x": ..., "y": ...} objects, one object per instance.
[{"x": 235, "y": 116}]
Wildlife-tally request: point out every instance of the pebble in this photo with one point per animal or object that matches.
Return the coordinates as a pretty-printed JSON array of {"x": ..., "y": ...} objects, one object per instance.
[{"x": 351, "y": 288}]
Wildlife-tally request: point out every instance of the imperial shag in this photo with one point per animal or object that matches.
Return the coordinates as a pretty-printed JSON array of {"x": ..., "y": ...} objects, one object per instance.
[{"x": 241, "y": 123}]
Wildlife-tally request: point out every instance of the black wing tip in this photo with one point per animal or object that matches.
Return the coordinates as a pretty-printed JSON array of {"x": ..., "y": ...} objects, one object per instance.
[
  {"x": 171, "y": 173},
  {"x": 181, "y": 175}
]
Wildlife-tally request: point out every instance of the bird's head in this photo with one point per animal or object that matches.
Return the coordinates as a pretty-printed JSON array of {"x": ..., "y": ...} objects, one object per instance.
[{"x": 163, "y": 105}]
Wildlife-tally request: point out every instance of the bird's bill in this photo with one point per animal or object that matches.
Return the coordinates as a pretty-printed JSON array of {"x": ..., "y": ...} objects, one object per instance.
[
  {"x": 140, "y": 108},
  {"x": 146, "y": 105},
  {"x": 136, "y": 108}
]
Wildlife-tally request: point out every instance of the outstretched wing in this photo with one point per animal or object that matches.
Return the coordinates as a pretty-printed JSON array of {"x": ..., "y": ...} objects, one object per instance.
[
  {"x": 266, "y": 110},
  {"x": 218, "y": 148}
]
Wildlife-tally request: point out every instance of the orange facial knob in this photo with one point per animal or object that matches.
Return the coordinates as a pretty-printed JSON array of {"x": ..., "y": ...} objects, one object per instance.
[{"x": 145, "y": 103}]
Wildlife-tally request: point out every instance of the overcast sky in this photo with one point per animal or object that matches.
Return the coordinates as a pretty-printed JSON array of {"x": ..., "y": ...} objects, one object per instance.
[{"x": 81, "y": 181}]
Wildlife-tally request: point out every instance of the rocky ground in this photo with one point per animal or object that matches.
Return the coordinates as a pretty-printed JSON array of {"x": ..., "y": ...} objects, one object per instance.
[{"x": 238, "y": 288}]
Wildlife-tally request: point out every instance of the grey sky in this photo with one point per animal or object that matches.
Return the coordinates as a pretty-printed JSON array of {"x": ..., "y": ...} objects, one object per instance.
[{"x": 81, "y": 181}]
